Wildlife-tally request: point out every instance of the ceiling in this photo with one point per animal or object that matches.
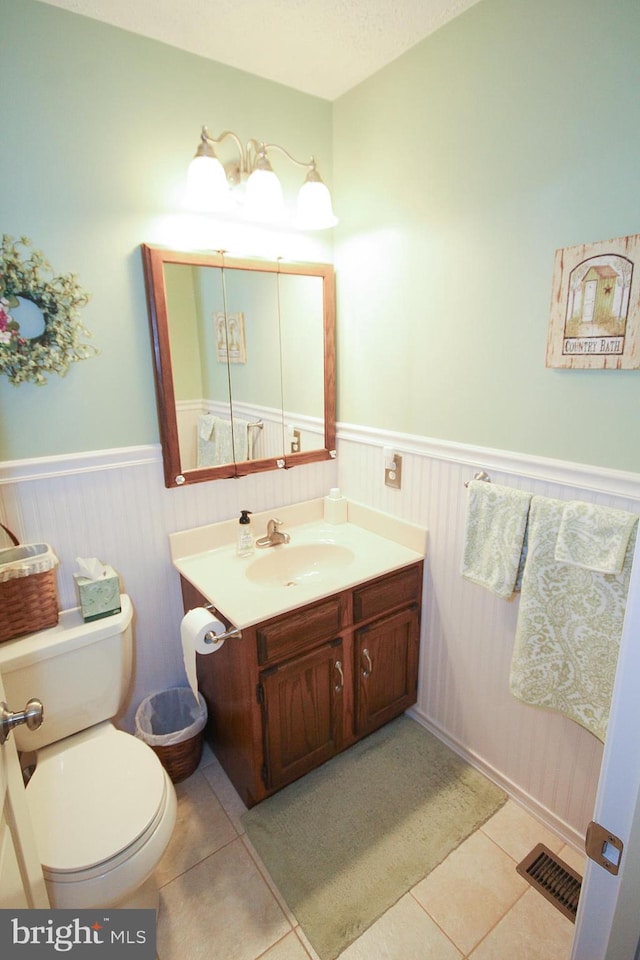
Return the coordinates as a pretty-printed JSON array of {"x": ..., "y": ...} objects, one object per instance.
[{"x": 321, "y": 47}]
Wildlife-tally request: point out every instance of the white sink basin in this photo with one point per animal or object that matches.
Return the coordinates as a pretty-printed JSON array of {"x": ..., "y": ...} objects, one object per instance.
[
  {"x": 288, "y": 565},
  {"x": 320, "y": 560}
]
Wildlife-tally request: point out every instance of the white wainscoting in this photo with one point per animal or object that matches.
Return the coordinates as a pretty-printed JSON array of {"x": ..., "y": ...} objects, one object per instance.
[
  {"x": 271, "y": 439},
  {"x": 549, "y": 763},
  {"x": 113, "y": 504}
]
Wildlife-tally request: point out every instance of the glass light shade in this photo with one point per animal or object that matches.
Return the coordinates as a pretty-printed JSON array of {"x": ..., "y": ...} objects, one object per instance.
[
  {"x": 263, "y": 199},
  {"x": 207, "y": 186},
  {"x": 314, "y": 210}
]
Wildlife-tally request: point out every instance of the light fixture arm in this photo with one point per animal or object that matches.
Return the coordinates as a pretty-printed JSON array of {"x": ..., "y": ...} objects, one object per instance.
[
  {"x": 236, "y": 172},
  {"x": 254, "y": 155},
  {"x": 308, "y": 164},
  {"x": 206, "y": 137}
]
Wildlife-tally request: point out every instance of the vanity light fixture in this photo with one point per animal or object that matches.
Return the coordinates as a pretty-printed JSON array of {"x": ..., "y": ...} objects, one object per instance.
[{"x": 214, "y": 188}]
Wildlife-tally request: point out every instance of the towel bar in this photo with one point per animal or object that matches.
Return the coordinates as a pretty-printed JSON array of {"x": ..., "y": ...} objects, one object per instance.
[{"x": 481, "y": 475}]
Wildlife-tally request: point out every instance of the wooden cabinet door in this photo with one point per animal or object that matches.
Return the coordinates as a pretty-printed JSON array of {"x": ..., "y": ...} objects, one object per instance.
[
  {"x": 302, "y": 707},
  {"x": 386, "y": 669}
]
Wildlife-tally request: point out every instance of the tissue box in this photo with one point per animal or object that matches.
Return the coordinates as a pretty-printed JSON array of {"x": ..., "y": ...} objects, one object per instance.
[{"x": 99, "y": 598}]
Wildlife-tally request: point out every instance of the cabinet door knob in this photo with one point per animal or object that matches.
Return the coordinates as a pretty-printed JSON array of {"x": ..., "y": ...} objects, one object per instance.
[
  {"x": 368, "y": 667},
  {"x": 340, "y": 684}
]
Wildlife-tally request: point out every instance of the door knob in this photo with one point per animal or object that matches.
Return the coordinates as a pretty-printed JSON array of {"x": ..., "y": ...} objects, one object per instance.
[{"x": 32, "y": 715}]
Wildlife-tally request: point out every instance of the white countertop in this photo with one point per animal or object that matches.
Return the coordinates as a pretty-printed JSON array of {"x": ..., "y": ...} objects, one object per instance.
[{"x": 206, "y": 557}]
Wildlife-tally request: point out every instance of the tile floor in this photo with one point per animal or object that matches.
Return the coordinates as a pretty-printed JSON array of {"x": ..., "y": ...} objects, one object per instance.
[{"x": 217, "y": 901}]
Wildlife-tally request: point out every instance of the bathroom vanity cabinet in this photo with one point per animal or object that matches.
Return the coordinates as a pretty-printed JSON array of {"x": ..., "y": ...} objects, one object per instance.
[{"x": 297, "y": 689}]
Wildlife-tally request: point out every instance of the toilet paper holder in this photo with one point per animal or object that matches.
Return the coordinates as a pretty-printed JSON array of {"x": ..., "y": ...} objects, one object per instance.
[{"x": 212, "y": 637}]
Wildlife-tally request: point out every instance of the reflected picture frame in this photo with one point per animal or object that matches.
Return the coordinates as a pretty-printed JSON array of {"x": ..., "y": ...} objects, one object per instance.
[{"x": 230, "y": 337}]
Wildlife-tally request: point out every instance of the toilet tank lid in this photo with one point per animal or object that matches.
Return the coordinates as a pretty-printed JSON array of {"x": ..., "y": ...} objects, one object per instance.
[{"x": 70, "y": 632}]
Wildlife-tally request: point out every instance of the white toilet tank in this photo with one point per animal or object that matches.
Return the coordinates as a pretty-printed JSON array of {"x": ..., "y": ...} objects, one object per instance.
[{"x": 80, "y": 671}]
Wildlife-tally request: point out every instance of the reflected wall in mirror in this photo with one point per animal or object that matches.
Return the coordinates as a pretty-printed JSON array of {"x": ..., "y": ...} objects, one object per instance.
[{"x": 244, "y": 362}]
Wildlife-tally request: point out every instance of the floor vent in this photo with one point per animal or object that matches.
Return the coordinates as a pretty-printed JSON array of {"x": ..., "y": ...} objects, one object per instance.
[{"x": 553, "y": 878}]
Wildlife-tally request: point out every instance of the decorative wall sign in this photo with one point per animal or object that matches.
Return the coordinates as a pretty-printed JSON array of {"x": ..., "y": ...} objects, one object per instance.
[
  {"x": 40, "y": 331},
  {"x": 595, "y": 306},
  {"x": 230, "y": 342}
]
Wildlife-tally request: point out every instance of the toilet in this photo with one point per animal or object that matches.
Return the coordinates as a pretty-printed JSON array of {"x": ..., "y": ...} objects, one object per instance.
[{"x": 102, "y": 806}]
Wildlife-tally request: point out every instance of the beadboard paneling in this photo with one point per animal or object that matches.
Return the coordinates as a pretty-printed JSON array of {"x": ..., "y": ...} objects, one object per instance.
[
  {"x": 113, "y": 505},
  {"x": 542, "y": 758}
]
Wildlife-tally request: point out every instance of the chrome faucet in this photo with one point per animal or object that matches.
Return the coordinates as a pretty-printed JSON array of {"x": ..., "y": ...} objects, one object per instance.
[{"x": 273, "y": 537}]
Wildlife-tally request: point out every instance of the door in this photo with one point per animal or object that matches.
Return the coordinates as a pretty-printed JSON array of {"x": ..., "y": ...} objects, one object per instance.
[
  {"x": 21, "y": 880},
  {"x": 302, "y": 713},
  {"x": 589, "y": 302},
  {"x": 386, "y": 654},
  {"x": 608, "y": 922}
]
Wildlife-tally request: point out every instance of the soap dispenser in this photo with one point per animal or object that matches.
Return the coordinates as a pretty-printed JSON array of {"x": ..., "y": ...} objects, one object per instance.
[{"x": 245, "y": 537}]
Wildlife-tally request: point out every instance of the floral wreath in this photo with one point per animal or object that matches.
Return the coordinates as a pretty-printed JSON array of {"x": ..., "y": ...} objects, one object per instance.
[{"x": 21, "y": 276}]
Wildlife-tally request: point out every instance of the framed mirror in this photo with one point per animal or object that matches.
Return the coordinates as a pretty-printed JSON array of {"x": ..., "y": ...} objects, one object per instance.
[{"x": 244, "y": 363}]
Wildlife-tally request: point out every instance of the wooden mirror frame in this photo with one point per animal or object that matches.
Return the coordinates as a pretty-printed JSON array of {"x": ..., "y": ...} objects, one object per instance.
[{"x": 154, "y": 260}]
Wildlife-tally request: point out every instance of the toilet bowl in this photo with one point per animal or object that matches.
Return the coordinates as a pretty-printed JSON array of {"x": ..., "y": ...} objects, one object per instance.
[
  {"x": 102, "y": 806},
  {"x": 103, "y": 810}
]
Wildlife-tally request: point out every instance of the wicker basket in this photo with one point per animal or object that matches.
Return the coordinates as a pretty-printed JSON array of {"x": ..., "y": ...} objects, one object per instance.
[
  {"x": 28, "y": 592},
  {"x": 180, "y": 760},
  {"x": 172, "y": 723}
]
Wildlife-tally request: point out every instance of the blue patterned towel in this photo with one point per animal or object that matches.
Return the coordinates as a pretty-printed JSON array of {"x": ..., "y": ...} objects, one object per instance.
[
  {"x": 594, "y": 537},
  {"x": 215, "y": 443},
  {"x": 569, "y": 627},
  {"x": 494, "y": 536},
  {"x": 206, "y": 422}
]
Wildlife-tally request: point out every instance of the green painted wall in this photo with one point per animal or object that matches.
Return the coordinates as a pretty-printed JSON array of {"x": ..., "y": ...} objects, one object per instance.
[
  {"x": 256, "y": 296},
  {"x": 457, "y": 172},
  {"x": 284, "y": 337},
  {"x": 459, "y": 169},
  {"x": 184, "y": 334},
  {"x": 98, "y": 128}
]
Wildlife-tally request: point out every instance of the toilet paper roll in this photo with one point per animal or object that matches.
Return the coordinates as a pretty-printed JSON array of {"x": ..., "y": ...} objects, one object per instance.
[{"x": 193, "y": 629}]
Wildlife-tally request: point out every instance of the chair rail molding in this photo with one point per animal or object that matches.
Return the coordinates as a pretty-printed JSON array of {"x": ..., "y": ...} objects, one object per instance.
[
  {"x": 72, "y": 464},
  {"x": 588, "y": 477}
]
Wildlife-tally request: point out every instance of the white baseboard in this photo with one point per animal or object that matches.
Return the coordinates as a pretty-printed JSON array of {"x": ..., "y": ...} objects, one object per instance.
[{"x": 555, "y": 824}]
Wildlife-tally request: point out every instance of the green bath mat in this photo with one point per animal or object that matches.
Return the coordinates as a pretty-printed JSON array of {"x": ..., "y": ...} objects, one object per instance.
[{"x": 348, "y": 840}]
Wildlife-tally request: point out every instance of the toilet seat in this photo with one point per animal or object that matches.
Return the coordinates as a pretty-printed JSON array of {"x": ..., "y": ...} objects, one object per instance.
[{"x": 96, "y": 799}]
